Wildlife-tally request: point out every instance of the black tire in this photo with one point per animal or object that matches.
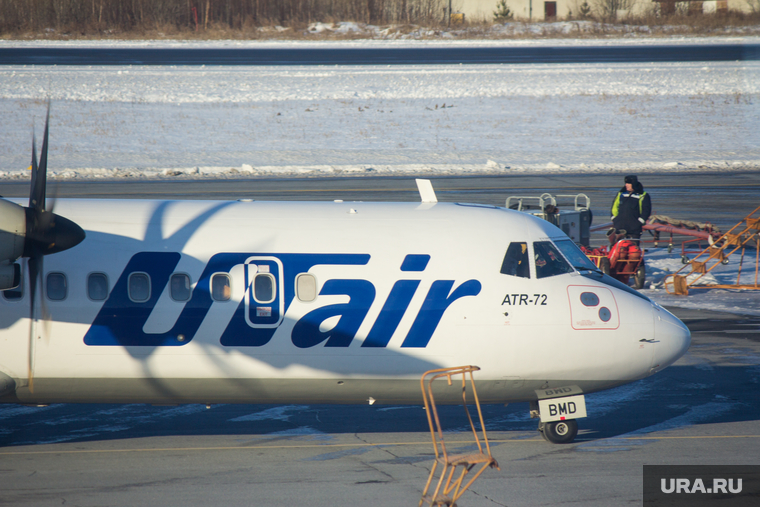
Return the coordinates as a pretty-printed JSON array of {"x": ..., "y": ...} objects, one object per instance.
[
  {"x": 560, "y": 432},
  {"x": 604, "y": 265},
  {"x": 640, "y": 277}
]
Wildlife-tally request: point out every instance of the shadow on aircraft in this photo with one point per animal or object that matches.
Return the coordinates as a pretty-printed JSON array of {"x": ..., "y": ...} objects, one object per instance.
[{"x": 620, "y": 418}]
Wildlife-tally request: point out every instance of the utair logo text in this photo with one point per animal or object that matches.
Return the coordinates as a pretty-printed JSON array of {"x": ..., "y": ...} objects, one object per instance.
[{"x": 121, "y": 321}]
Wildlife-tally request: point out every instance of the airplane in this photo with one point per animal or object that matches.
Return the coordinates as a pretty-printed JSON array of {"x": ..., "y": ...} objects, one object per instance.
[{"x": 174, "y": 301}]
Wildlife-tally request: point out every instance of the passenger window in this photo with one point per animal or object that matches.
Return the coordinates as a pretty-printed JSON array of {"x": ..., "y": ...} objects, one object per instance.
[
  {"x": 97, "y": 286},
  {"x": 263, "y": 288},
  {"x": 220, "y": 287},
  {"x": 56, "y": 287},
  {"x": 516, "y": 261},
  {"x": 139, "y": 287},
  {"x": 549, "y": 262},
  {"x": 179, "y": 287},
  {"x": 306, "y": 287}
]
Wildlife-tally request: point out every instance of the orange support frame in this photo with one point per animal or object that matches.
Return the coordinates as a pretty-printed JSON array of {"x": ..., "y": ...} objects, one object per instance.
[{"x": 449, "y": 488}]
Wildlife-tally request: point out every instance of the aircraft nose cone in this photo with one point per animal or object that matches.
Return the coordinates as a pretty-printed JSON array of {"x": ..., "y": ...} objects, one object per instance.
[{"x": 672, "y": 339}]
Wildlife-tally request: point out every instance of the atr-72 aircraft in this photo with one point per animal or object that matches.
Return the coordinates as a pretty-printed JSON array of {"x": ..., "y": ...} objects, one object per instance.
[{"x": 166, "y": 302}]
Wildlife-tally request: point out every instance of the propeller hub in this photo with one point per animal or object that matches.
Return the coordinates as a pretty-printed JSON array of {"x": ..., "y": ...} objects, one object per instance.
[{"x": 48, "y": 233}]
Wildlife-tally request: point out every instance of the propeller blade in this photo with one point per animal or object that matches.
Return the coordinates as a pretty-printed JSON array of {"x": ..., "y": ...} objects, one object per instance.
[
  {"x": 34, "y": 171},
  {"x": 46, "y": 233},
  {"x": 50, "y": 203},
  {"x": 35, "y": 268},
  {"x": 37, "y": 198}
]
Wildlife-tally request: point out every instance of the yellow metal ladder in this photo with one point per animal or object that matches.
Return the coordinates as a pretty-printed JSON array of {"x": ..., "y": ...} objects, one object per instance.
[
  {"x": 451, "y": 484},
  {"x": 740, "y": 236}
]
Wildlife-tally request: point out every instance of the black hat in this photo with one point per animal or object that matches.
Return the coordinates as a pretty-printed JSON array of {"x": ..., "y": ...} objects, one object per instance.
[{"x": 631, "y": 179}]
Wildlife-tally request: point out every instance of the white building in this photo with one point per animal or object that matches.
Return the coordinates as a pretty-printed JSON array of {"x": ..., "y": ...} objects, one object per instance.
[
  {"x": 545, "y": 10},
  {"x": 480, "y": 10}
]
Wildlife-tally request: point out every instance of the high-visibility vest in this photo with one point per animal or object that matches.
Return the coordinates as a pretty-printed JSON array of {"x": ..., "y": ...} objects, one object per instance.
[{"x": 616, "y": 203}]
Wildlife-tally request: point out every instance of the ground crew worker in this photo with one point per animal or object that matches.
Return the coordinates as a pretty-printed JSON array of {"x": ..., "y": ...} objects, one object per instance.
[{"x": 630, "y": 209}]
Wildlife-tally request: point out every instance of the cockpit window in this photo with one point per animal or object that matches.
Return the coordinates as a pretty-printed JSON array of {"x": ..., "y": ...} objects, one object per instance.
[
  {"x": 516, "y": 261},
  {"x": 549, "y": 262},
  {"x": 574, "y": 254}
]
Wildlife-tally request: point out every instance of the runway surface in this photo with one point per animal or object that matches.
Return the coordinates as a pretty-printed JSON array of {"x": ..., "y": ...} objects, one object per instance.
[
  {"x": 720, "y": 198},
  {"x": 700, "y": 411},
  {"x": 453, "y": 54}
]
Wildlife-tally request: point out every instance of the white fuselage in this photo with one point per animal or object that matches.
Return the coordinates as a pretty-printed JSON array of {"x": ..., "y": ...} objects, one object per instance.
[{"x": 332, "y": 302}]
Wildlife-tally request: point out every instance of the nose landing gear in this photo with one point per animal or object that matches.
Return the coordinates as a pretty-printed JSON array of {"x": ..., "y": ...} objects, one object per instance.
[
  {"x": 559, "y": 432},
  {"x": 558, "y": 416}
]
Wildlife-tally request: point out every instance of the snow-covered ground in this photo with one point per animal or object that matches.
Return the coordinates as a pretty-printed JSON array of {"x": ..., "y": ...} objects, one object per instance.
[
  {"x": 450, "y": 119},
  {"x": 737, "y": 36},
  {"x": 197, "y": 122}
]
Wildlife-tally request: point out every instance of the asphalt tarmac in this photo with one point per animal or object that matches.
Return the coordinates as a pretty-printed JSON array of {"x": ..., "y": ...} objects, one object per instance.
[
  {"x": 719, "y": 198},
  {"x": 377, "y": 55},
  {"x": 700, "y": 411}
]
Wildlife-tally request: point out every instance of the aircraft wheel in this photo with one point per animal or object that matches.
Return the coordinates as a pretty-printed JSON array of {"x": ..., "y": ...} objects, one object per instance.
[
  {"x": 604, "y": 265},
  {"x": 640, "y": 277},
  {"x": 560, "y": 432}
]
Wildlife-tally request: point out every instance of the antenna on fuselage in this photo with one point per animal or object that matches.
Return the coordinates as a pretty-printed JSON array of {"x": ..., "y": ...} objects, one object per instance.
[{"x": 427, "y": 194}]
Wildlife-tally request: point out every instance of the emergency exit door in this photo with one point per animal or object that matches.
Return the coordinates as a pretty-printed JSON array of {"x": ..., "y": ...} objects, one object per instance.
[{"x": 264, "y": 302}]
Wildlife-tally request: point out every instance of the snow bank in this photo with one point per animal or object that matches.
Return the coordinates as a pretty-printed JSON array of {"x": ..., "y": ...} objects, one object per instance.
[
  {"x": 394, "y": 36},
  {"x": 363, "y": 32},
  {"x": 199, "y": 122}
]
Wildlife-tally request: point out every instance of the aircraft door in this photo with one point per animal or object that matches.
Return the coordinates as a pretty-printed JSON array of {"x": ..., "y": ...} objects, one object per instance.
[{"x": 264, "y": 302}]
